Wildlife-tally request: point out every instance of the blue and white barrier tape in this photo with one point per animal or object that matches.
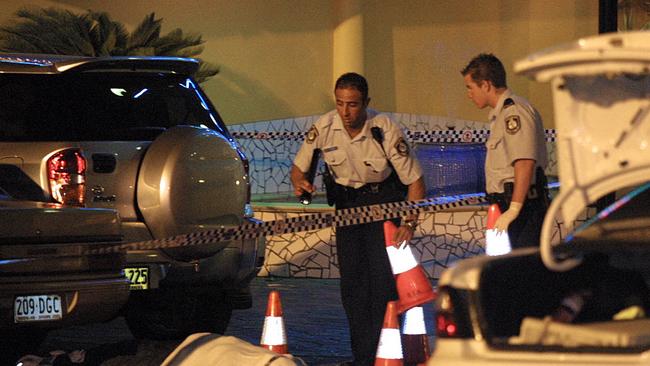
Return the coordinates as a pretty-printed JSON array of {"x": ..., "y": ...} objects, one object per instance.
[
  {"x": 343, "y": 217},
  {"x": 432, "y": 136}
]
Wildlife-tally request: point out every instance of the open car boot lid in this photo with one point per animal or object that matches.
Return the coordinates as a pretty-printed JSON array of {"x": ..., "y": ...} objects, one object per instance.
[{"x": 601, "y": 96}]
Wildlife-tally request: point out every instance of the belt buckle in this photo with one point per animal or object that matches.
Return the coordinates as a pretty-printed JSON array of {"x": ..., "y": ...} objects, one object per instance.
[{"x": 374, "y": 188}]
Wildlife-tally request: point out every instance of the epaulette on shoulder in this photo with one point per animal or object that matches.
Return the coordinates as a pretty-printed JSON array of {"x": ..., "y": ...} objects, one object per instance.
[
  {"x": 324, "y": 121},
  {"x": 508, "y": 102},
  {"x": 380, "y": 120}
]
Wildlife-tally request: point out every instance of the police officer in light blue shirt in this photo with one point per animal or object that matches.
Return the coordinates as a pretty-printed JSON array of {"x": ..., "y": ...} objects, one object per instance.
[
  {"x": 516, "y": 151},
  {"x": 371, "y": 163}
]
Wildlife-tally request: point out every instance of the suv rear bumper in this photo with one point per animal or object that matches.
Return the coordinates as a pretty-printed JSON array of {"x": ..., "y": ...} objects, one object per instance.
[
  {"x": 85, "y": 298},
  {"x": 232, "y": 268}
]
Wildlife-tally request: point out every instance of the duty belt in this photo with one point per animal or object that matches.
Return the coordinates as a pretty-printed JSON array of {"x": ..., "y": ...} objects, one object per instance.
[
  {"x": 347, "y": 194},
  {"x": 367, "y": 188},
  {"x": 533, "y": 193}
]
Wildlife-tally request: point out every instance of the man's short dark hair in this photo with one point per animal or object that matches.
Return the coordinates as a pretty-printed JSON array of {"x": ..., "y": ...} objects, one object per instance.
[
  {"x": 354, "y": 81},
  {"x": 484, "y": 67}
]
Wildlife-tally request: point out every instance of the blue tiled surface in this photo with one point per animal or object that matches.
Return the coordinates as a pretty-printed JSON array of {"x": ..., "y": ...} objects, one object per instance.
[
  {"x": 451, "y": 169},
  {"x": 271, "y": 158}
]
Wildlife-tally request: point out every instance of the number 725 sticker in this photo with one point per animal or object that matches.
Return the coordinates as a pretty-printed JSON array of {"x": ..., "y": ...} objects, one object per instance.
[{"x": 138, "y": 277}]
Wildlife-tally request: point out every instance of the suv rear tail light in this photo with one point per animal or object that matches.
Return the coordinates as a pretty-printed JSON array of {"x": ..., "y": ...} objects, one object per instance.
[
  {"x": 66, "y": 173},
  {"x": 451, "y": 320}
]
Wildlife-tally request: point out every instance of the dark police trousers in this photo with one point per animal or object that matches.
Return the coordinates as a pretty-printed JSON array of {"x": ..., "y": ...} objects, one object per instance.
[
  {"x": 367, "y": 281},
  {"x": 526, "y": 229}
]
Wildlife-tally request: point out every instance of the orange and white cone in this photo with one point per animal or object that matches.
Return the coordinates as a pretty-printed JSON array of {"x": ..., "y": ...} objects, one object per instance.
[
  {"x": 274, "y": 336},
  {"x": 415, "y": 342},
  {"x": 389, "y": 349},
  {"x": 496, "y": 242},
  {"x": 413, "y": 286}
]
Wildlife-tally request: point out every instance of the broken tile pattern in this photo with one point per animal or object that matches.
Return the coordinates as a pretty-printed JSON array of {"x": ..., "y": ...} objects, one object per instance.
[
  {"x": 441, "y": 239},
  {"x": 271, "y": 159}
]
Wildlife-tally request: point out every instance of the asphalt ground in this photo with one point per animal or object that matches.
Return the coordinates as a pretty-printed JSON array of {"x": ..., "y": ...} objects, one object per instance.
[{"x": 314, "y": 319}]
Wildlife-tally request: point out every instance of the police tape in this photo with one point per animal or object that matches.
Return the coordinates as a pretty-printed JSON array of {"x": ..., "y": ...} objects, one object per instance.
[
  {"x": 342, "y": 217},
  {"x": 432, "y": 136}
]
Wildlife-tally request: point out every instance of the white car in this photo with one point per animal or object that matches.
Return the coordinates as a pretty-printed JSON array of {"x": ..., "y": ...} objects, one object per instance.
[{"x": 585, "y": 301}]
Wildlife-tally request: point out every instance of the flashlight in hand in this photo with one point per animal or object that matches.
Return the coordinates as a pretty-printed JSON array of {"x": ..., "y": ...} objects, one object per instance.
[{"x": 305, "y": 197}]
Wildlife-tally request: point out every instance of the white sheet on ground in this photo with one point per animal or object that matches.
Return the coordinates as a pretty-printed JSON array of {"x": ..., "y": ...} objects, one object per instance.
[{"x": 207, "y": 349}]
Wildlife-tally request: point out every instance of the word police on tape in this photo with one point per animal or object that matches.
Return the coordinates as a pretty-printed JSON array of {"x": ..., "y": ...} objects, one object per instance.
[
  {"x": 432, "y": 136},
  {"x": 344, "y": 217}
]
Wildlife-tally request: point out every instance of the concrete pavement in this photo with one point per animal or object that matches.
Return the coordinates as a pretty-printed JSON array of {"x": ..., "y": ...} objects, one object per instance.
[{"x": 314, "y": 319}]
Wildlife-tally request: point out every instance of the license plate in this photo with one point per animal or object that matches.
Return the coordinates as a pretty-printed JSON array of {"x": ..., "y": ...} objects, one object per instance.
[
  {"x": 138, "y": 277},
  {"x": 37, "y": 308}
]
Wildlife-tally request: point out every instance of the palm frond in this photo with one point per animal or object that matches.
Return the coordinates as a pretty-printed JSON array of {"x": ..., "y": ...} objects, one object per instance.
[
  {"x": 108, "y": 37},
  {"x": 145, "y": 33},
  {"x": 175, "y": 43},
  {"x": 57, "y": 31},
  {"x": 47, "y": 30},
  {"x": 141, "y": 51},
  {"x": 191, "y": 51},
  {"x": 206, "y": 71}
]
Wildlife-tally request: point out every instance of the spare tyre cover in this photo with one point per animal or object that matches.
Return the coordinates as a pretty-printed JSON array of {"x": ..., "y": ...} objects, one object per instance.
[{"x": 191, "y": 179}]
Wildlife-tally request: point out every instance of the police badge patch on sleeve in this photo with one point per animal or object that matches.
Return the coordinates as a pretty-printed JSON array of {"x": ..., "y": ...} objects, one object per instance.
[
  {"x": 402, "y": 147},
  {"x": 512, "y": 124},
  {"x": 311, "y": 135}
]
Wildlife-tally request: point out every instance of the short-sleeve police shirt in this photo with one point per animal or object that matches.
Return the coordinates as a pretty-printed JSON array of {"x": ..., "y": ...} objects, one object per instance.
[
  {"x": 516, "y": 132},
  {"x": 359, "y": 160}
]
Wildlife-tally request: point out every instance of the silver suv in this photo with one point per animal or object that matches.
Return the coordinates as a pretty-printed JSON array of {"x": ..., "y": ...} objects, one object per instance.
[
  {"x": 46, "y": 278},
  {"x": 138, "y": 135}
]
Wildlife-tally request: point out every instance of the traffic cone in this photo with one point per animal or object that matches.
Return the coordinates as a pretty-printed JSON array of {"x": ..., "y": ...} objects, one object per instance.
[
  {"x": 414, "y": 337},
  {"x": 389, "y": 349},
  {"x": 274, "y": 336},
  {"x": 496, "y": 242},
  {"x": 413, "y": 286}
]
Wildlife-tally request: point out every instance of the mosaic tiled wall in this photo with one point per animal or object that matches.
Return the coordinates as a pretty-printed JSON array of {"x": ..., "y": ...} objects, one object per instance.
[
  {"x": 441, "y": 239},
  {"x": 271, "y": 159}
]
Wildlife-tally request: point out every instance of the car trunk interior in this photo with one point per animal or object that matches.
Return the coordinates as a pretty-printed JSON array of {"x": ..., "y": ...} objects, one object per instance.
[{"x": 520, "y": 299}]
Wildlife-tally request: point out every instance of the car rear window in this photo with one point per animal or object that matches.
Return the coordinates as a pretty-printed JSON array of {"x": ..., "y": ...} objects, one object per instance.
[{"x": 96, "y": 106}]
